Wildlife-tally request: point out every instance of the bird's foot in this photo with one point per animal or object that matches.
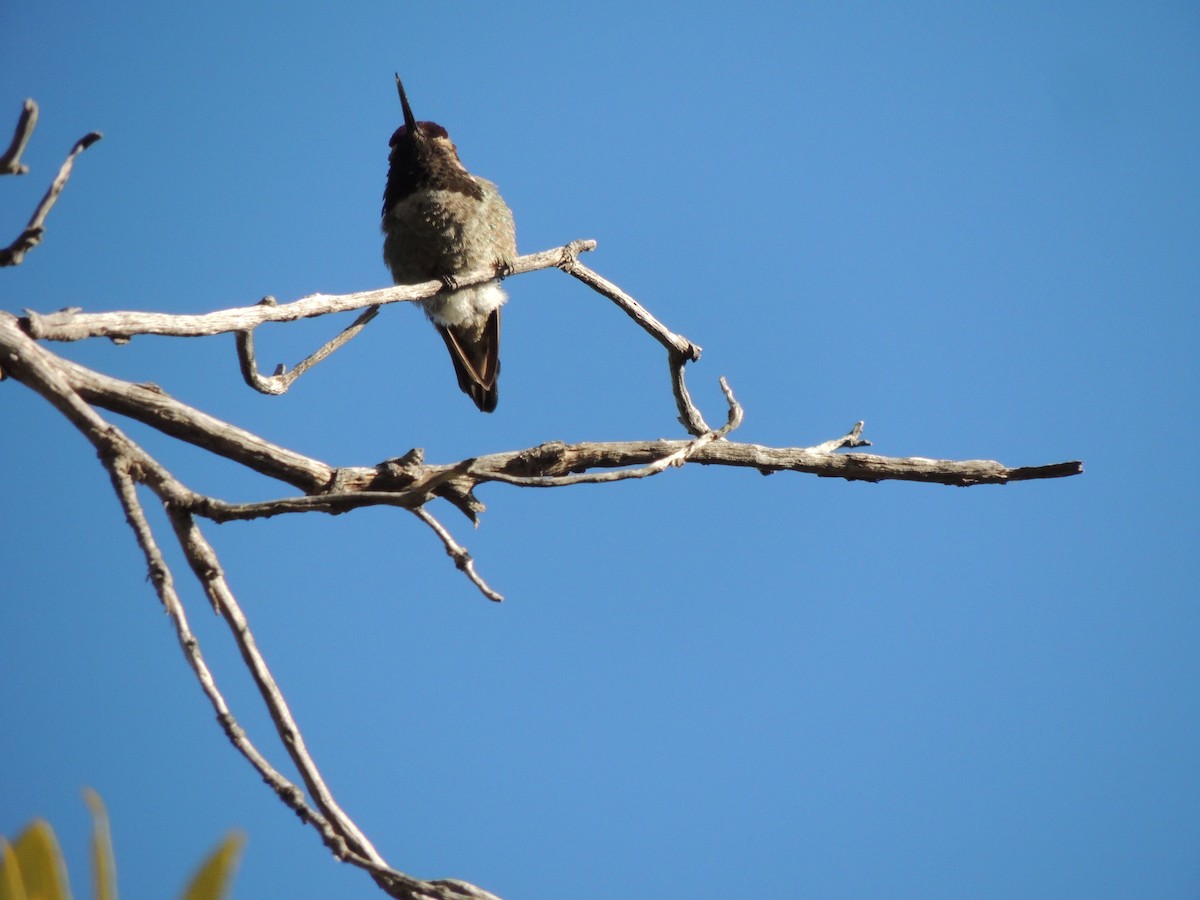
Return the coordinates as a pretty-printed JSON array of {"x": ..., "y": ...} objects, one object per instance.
[
  {"x": 449, "y": 282},
  {"x": 504, "y": 268}
]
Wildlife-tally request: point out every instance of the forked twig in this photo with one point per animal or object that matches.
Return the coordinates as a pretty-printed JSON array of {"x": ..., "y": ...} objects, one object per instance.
[
  {"x": 207, "y": 569},
  {"x": 676, "y": 457},
  {"x": 283, "y": 377},
  {"x": 164, "y": 586},
  {"x": 72, "y": 324},
  {"x": 680, "y": 351},
  {"x": 14, "y": 253},
  {"x": 852, "y": 438}
]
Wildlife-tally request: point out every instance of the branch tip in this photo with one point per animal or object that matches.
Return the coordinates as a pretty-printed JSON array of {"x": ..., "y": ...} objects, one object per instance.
[
  {"x": 462, "y": 559},
  {"x": 14, "y": 253},
  {"x": 10, "y": 161}
]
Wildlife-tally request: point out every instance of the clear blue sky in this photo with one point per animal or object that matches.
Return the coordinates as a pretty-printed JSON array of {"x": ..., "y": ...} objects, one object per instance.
[{"x": 974, "y": 226}]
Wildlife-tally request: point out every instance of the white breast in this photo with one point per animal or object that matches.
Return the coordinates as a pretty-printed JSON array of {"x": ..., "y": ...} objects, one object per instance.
[{"x": 469, "y": 304}]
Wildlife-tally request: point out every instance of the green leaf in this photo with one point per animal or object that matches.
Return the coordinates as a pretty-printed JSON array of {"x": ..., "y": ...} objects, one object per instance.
[
  {"x": 42, "y": 868},
  {"x": 11, "y": 886},
  {"x": 214, "y": 878},
  {"x": 104, "y": 864}
]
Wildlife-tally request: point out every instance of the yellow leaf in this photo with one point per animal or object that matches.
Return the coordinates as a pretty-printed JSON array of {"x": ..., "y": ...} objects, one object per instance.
[
  {"x": 11, "y": 886},
  {"x": 214, "y": 878},
  {"x": 41, "y": 862},
  {"x": 104, "y": 864}
]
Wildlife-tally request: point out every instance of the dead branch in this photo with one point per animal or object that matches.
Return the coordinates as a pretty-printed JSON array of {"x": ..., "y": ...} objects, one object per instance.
[
  {"x": 14, "y": 253},
  {"x": 680, "y": 351},
  {"x": 207, "y": 569},
  {"x": 407, "y": 482},
  {"x": 74, "y": 325},
  {"x": 283, "y": 377},
  {"x": 457, "y": 552},
  {"x": 127, "y": 464},
  {"x": 160, "y": 576},
  {"x": 149, "y": 404},
  {"x": 553, "y": 460},
  {"x": 10, "y": 161}
]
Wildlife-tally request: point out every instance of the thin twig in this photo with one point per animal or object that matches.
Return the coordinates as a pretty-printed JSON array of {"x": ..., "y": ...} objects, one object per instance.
[
  {"x": 689, "y": 415},
  {"x": 32, "y": 235},
  {"x": 164, "y": 586},
  {"x": 462, "y": 559},
  {"x": 283, "y": 378},
  {"x": 633, "y": 309},
  {"x": 677, "y": 457},
  {"x": 10, "y": 161},
  {"x": 852, "y": 438},
  {"x": 680, "y": 351},
  {"x": 44, "y": 372},
  {"x": 207, "y": 569}
]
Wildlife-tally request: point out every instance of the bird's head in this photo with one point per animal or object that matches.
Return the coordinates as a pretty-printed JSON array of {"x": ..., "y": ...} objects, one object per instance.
[
  {"x": 424, "y": 158},
  {"x": 419, "y": 139}
]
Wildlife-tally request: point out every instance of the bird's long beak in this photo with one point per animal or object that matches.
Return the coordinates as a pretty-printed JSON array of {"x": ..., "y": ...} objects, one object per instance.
[{"x": 410, "y": 121}]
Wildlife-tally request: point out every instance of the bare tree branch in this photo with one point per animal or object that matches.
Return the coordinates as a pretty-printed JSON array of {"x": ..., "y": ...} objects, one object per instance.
[
  {"x": 556, "y": 459},
  {"x": 15, "y": 252},
  {"x": 680, "y": 350},
  {"x": 127, "y": 463},
  {"x": 10, "y": 161},
  {"x": 407, "y": 482},
  {"x": 164, "y": 585},
  {"x": 283, "y": 378},
  {"x": 462, "y": 559},
  {"x": 689, "y": 415},
  {"x": 73, "y": 325},
  {"x": 553, "y": 460},
  {"x": 149, "y": 404},
  {"x": 633, "y": 309},
  {"x": 207, "y": 569},
  {"x": 676, "y": 457}
]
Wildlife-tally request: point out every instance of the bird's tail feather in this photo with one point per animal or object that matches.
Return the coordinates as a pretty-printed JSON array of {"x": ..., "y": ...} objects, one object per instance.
[{"x": 476, "y": 358}]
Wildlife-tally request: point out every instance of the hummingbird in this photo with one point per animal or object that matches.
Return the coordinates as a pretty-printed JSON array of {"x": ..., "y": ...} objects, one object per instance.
[{"x": 440, "y": 221}]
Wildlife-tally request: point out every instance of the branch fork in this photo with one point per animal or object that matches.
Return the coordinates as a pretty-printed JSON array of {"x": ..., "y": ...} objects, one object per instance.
[{"x": 10, "y": 164}]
